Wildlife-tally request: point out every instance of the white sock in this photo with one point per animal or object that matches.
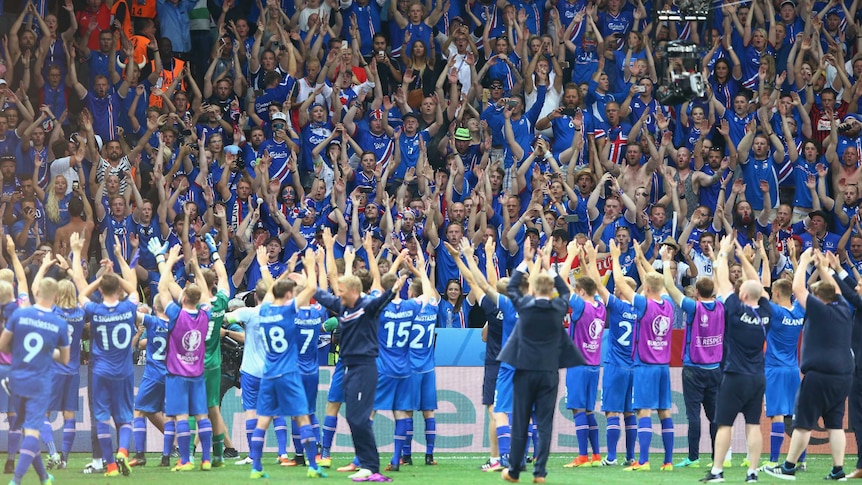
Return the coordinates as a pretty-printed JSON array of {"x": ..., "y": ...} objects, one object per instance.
[
  {"x": 751, "y": 470},
  {"x": 729, "y": 455},
  {"x": 716, "y": 471},
  {"x": 97, "y": 463}
]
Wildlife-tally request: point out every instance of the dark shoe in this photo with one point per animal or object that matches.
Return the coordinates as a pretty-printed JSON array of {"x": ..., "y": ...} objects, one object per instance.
[
  {"x": 838, "y": 477},
  {"x": 407, "y": 460},
  {"x": 429, "y": 459},
  {"x": 166, "y": 461},
  {"x": 231, "y": 453},
  {"x": 9, "y": 468},
  {"x": 139, "y": 460},
  {"x": 392, "y": 468},
  {"x": 710, "y": 478},
  {"x": 780, "y": 472},
  {"x": 751, "y": 478}
]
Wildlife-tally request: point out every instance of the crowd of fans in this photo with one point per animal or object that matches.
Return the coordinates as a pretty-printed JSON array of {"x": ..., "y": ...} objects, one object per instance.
[{"x": 421, "y": 123}]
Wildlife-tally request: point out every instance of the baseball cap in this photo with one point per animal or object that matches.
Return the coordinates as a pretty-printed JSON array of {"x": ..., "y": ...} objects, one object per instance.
[
  {"x": 278, "y": 116},
  {"x": 791, "y": 2},
  {"x": 531, "y": 230},
  {"x": 232, "y": 149},
  {"x": 463, "y": 134},
  {"x": 2, "y": 82},
  {"x": 377, "y": 234},
  {"x": 496, "y": 83},
  {"x": 376, "y": 114},
  {"x": 411, "y": 114}
]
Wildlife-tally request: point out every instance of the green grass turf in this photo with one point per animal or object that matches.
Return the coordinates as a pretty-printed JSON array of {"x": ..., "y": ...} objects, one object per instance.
[{"x": 455, "y": 469}]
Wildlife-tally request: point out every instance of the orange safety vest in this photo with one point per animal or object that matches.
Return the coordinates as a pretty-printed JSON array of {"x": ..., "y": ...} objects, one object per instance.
[
  {"x": 166, "y": 78},
  {"x": 144, "y": 8},
  {"x": 127, "y": 24}
]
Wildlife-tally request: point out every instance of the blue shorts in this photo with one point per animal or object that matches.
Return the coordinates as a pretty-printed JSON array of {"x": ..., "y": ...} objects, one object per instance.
[
  {"x": 4, "y": 398},
  {"x": 651, "y": 388},
  {"x": 782, "y": 385},
  {"x": 394, "y": 394},
  {"x": 582, "y": 385},
  {"x": 113, "y": 398},
  {"x": 64, "y": 392},
  {"x": 310, "y": 382},
  {"x": 617, "y": 384},
  {"x": 336, "y": 388},
  {"x": 188, "y": 395},
  {"x": 29, "y": 411},
  {"x": 281, "y": 396},
  {"x": 151, "y": 396},
  {"x": 250, "y": 386},
  {"x": 503, "y": 393},
  {"x": 425, "y": 391}
]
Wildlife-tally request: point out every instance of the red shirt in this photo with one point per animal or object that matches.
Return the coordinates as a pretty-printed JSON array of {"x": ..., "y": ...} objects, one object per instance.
[
  {"x": 102, "y": 17},
  {"x": 822, "y": 124}
]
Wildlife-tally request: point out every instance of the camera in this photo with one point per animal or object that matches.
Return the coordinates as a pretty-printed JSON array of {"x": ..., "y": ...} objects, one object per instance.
[
  {"x": 569, "y": 111},
  {"x": 278, "y": 126},
  {"x": 682, "y": 86},
  {"x": 240, "y": 161},
  {"x": 194, "y": 146}
]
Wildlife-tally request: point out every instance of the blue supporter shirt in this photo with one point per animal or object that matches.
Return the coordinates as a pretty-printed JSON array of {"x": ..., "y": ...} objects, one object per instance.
[
  {"x": 621, "y": 323},
  {"x": 396, "y": 321},
  {"x": 278, "y": 326},
  {"x": 309, "y": 319},
  {"x": 36, "y": 333},
  {"x": 156, "y": 333},
  {"x": 422, "y": 337},
  {"x": 783, "y": 338},
  {"x": 112, "y": 327},
  {"x": 74, "y": 318}
]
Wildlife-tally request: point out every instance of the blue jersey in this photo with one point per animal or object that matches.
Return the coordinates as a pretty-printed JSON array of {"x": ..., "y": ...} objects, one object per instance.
[
  {"x": 422, "y": 337},
  {"x": 112, "y": 327},
  {"x": 621, "y": 322},
  {"x": 783, "y": 338},
  {"x": 278, "y": 327},
  {"x": 37, "y": 332},
  {"x": 75, "y": 322},
  {"x": 394, "y": 327},
  {"x": 308, "y": 322},
  {"x": 156, "y": 333}
]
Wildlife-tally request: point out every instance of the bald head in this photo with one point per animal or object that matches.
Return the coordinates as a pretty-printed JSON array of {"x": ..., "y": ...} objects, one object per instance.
[{"x": 750, "y": 291}]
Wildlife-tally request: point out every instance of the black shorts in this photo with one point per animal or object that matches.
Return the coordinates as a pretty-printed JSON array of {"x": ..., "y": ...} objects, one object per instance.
[
  {"x": 489, "y": 384},
  {"x": 822, "y": 395},
  {"x": 740, "y": 393}
]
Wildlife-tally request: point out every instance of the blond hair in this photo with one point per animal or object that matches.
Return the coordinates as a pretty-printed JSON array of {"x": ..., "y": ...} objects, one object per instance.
[
  {"x": 52, "y": 205},
  {"x": 48, "y": 289},
  {"x": 67, "y": 294}
]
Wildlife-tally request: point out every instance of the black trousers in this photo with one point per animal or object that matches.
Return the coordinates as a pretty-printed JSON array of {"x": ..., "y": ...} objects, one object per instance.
[
  {"x": 855, "y": 408},
  {"x": 539, "y": 389},
  {"x": 360, "y": 385},
  {"x": 699, "y": 388}
]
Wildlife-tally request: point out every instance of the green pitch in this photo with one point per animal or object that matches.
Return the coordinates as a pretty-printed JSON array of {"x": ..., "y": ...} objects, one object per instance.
[{"x": 453, "y": 469}]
